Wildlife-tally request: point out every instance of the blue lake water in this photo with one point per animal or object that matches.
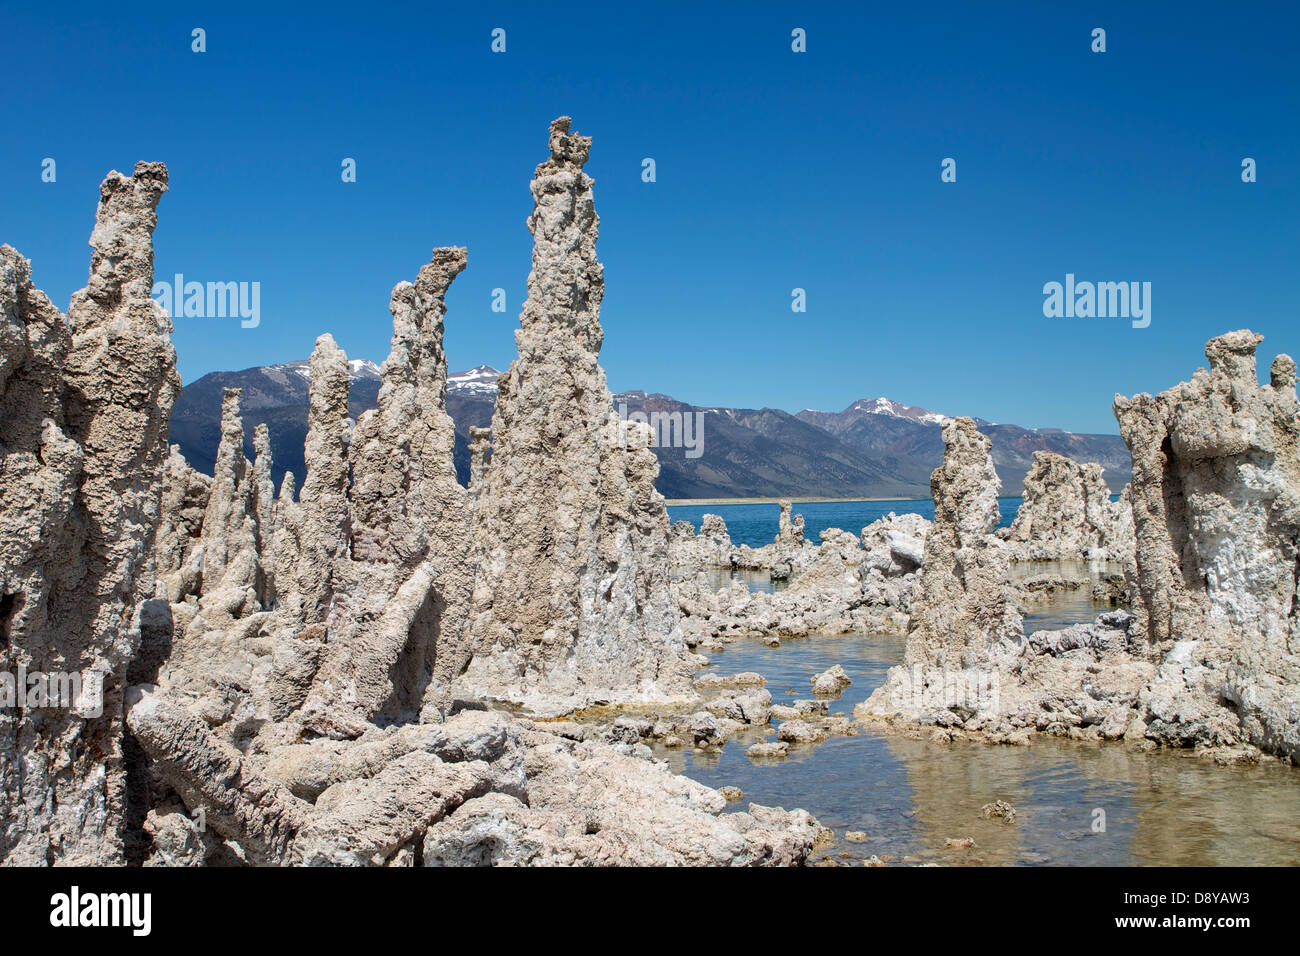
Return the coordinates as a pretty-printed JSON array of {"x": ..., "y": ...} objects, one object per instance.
[{"x": 756, "y": 524}]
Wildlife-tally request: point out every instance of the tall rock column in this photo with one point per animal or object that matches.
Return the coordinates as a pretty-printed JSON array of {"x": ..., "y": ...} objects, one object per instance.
[
  {"x": 83, "y": 441},
  {"x": 395, "y": 642},
  {"x": 402, "y": 456},
  {"x": 232, "y": 578},
  {"x": 1216, "y": 509},
  {"x": 480, "y": 443},
  {"x": 323, "y": 529},
  {"x": 571, "y": 605},
  {"x": 963, "y": 607},
  {"x": 789, "y": 535}
]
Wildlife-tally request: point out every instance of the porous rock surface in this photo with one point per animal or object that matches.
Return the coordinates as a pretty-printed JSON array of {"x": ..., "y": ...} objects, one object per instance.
[
  {"x": 571, "y": 605},
  {"x": 279, "y": 668},
  {"x": 587, "y": 806},
  {"x": 844, "y": 584},
  {"x": 1206, "y": 659},
  {"x": 84, "y": 406},
  {"x": 1216, "y": 506},
  {"x": 1067, "y": 515},
  {"x": 968, "y": 666}
]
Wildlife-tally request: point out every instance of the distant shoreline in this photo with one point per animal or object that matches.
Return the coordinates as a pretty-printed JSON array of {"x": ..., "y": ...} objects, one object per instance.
[
  {"x": 678, "y": 502},
  {"x": 686, "y": 502}
]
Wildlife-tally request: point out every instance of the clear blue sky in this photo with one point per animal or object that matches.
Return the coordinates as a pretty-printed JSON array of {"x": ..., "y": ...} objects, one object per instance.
[{"x": 775, "y": 170}]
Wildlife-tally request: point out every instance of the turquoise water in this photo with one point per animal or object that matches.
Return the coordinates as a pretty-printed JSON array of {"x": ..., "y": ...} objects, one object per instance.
[{"x": 756, "y": 524}]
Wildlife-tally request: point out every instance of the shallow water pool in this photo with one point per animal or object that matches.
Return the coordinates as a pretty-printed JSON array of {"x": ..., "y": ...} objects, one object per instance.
[{"x": 1076, "y": 803}]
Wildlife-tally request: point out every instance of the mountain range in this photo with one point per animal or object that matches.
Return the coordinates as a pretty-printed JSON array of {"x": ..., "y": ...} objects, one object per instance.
[{"x": 873, "y": 448}]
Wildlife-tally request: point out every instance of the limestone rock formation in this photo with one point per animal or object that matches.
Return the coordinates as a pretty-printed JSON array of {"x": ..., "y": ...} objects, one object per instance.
[
  {"x": 232, "y": 583},
  {"x": 479, "y": 789},
  {"x": 184, "y": 504},
  {"x": 1216, "y": 506},
  {"x": 480, "y": 444},
  {"x": 572, "y": 604},
  {"x": 84, "y": 408},
  {"x": 323, "y": 530},
  {"x": 789, "y": 534},
  {"x": 404, "y": 480},
  {"x": 710, "y": 548},
  {"x": 963, "y": 607},
  {"x": 1207, "y": 658},
  {"x": 1067, "y": 515},
  {"x": 590, "y": 807},
  {"x": 281, "y": 667},
  {"x": 366, "y": 577},
  {"x": 844, "y": 584}
]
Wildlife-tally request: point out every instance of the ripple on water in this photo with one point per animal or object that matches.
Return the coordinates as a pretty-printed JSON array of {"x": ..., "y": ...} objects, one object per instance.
[{"x": 1077, "y": 803}]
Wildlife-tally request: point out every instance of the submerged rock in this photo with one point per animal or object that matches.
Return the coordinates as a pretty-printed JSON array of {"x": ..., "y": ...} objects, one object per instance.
[{"x": 999, "y": 810}]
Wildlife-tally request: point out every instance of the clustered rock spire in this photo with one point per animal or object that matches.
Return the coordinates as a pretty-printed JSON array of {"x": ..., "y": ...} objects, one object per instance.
[
  {"x": 964, "y": 605},
  {"x": 1208, "y": 657},
  {"x": 309, "y": 668},
  {"x": 1067, "y": 514},
  {"x": 285, "y": 663}
]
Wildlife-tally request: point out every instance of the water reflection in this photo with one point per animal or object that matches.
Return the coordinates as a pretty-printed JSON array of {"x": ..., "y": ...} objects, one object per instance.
[{"x": 910, "y": 796}]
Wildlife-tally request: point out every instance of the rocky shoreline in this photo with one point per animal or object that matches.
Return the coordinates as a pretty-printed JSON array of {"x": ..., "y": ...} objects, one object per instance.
[
  {"x": 1197, "y": 554},
  {"x": 384, "y": 667}
]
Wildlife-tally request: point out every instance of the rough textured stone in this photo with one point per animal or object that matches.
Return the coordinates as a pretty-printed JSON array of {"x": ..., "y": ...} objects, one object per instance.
[
  {"x": 1216, "y": 505},
  {"x": 181, "y": 513},
  {"x": 963, "y": 607},
  {"x": 572, "y": 603},
  {"x": 84, "y": 409},
  {"x": 291, "y": 662},
  {"x": 1067, "y": 515},
  {"x": 588, "y": 806},
  {"x": 830, "y": 682},
  {"x": 842, "y": 585},
  {"x": 480, "y": 443}
]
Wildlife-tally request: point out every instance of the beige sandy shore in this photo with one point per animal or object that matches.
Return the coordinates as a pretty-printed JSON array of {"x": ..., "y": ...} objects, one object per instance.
[{"x": 766, "y": 501}]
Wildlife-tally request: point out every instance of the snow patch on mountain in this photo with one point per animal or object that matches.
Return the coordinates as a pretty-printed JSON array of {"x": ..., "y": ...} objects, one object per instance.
[
  {"x": 357, "y": 369},
  {"x": 481, "y": 379},
  {"x": 887, "y": 406}
]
